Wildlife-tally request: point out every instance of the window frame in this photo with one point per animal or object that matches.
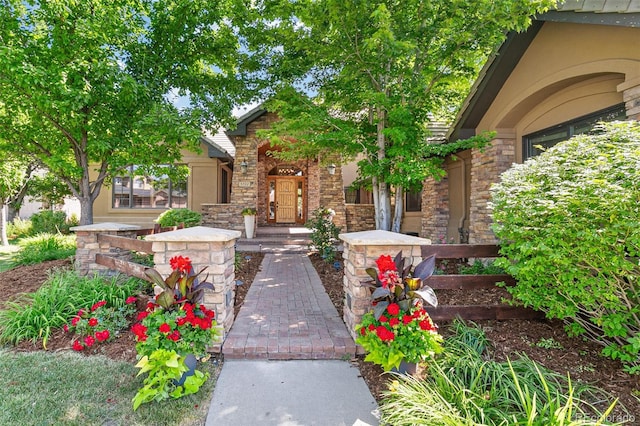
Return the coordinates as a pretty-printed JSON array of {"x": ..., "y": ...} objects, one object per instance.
[{"x": 133, "y": 178}]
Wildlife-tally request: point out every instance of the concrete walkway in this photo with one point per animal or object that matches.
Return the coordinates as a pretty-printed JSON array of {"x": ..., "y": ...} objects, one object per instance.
[{"x": 286, "y": 356}]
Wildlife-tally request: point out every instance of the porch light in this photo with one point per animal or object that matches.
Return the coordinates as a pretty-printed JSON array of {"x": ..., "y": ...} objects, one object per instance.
[
  {"x": 331, "y": 168},
  {"x": 243, "y": 166}
]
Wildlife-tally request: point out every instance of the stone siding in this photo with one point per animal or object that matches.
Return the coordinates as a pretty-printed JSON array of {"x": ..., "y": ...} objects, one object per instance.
[
  {"x": 435, "y": 209},
  {"x": 360, "y": 217}
]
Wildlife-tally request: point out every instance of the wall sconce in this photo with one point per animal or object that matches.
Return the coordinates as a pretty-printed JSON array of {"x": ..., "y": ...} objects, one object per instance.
[
  {"x": 331, "y": 168},
  {"x": 243, "y": 166}
]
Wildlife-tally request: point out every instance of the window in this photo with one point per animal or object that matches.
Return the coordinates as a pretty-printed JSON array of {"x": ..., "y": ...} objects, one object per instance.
[
  {"x": 357, "y": 195},
  {"x": 549, "y": 137},
  {"x": 144, "y": 191},
  {"x": 413, "y": 201}
]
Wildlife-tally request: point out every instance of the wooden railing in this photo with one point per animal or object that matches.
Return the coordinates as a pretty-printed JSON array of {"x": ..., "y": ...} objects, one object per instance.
[
  {"x": 471, "y": 283},
  {"x": 119, "y": 264}
]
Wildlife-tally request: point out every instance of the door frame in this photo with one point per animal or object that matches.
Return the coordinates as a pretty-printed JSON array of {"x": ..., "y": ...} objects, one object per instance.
[{"x": 297, "y": 179}]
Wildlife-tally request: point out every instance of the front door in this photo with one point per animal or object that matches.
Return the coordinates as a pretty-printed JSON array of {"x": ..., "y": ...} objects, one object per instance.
[{"x": 286, "y": 200}]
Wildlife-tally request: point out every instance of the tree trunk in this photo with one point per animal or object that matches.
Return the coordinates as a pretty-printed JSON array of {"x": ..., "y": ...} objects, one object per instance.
[
  {"x": 3, "y": 225},
  {"x": 385, "y": 206},
  {"x": 399, "y": 207},
  {"x": 86, "y": 211},
  {"x": 384, "y": 199},
  {"x": 12, "y": 212}
]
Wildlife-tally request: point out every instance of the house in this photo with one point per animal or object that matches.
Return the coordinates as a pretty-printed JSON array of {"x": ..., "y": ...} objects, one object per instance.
[{"x": 573, "y": 67}]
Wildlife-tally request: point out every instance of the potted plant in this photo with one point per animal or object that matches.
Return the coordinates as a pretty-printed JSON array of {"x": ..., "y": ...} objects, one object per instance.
[
  {"x": 249, "y": 214},
  {"x": 398, "y": 329},
  {"x": 173, "y": 333}
]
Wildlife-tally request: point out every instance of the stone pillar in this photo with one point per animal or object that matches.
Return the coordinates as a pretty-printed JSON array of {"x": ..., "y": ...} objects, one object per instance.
[
  {"x": 435, "y": 209},
  {"x": 361, "y": 250},
  {"x": 210, "y": 248},
  {"x": 332, "y": 192},
  {"x": 88, "y": 246},
  {"x": 486, "y": 168}
]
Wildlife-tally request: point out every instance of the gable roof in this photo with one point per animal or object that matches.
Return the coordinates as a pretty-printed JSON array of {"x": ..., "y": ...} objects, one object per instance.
[
  {"x": 218, "y": 145},
  {"x": 502, "y": 62},
  {"x": 245, "y": 119}
]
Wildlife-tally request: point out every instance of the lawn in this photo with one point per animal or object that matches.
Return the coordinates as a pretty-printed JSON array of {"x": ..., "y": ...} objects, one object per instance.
[{"x": 6, "y": 253}]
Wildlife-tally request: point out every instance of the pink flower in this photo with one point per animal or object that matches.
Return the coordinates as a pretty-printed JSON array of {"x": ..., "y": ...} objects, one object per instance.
[
  {"x": 74, "y": 321},
  {"x": 80, "y": 312},
  {"x": 65, "y": 328}
]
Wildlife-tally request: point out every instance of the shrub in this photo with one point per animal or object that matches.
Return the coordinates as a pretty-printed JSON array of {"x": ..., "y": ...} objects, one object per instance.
[
  {"x": 49, "y": 222},
  {"x": 174, "y": 217},
  {"x": 44, "y": 247},
  {"x": 19, "y": 228},
  {"x": 324, "y": 233},
  {"x": 569, "y": 225}
]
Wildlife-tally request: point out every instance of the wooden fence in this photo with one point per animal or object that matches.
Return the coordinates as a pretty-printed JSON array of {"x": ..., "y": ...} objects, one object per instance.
[
  {"x": 122, "y": 265},
  {"x": 471, "y": 283}
]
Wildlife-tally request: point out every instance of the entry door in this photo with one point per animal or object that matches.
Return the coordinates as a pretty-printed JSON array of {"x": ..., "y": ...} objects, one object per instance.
[{"x": 286, "y": 197}]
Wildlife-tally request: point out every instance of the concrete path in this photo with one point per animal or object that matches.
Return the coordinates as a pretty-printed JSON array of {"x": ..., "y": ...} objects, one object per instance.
[{"x": 286, "y": 356}]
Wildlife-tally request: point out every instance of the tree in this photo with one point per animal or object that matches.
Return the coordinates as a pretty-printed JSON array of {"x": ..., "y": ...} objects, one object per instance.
[
  {"x": 14, "y": 177},
  {"x": 367, "y": 77},
  {"x": 86, "y": 86}
]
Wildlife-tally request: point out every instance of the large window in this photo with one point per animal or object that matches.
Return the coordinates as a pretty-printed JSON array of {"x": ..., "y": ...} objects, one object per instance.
[
  {"x": 533, "y": 144},
  {"x": 139, "y": 190}
]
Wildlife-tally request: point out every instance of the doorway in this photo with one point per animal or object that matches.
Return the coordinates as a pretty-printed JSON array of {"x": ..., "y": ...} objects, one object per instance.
[{"x": 286, "y": 199}]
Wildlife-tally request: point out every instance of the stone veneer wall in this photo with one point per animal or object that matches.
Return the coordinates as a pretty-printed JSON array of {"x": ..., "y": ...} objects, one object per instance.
[
  {"x": 87, "y": 245},
  {"x": 209, "y": 248},
  {"x": 332, "y": 193},
  {"x": 631, "y": 97},
  {"x": 361, "y": 249},
  {"x": 360, "y": 217},
  {"x": 226, "y": 216},
  {"x": 435, "y": 208},
  {"x": 486, "y": 168}
]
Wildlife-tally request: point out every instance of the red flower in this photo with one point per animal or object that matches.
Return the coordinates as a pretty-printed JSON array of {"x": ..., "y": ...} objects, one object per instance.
[
  {"x": 385, "y": 334},
  {"x": 406, "y": 319},
  {"x": 363, "y": 331},
  {"x": 65, "y": 328},
  {"x": 77, "y": 346},
  {"x": 394, "y": 321},
  {"x": 89, "y": 341},
  {"x": 140, "y": 331},
  {"x": 98, "y": 305},
  {"x": 372, "y": 327},
  {"x": 74, "y": 321},
  {"x": 180, "y": 263},
  {"x": 164, "y": 328},
  {"x": 181, "y": 321},
  {"x": 426, "y": 324},
  {"x": 103, "y": 335},
  {"x": 142, "y": 315},
  {"x": 418, "y": 313},
  {"x": 385, "y": 263},
  {"x": 393, "y": 309},
  {"x": 383, "y": 318},
  {"x": 80, "y": 312},
  {"x": 130, "y": 300},
  {"x": 151, "y": 306},
  {"x": 174, "y": 336},
  {"x": 93, "y": 322}
]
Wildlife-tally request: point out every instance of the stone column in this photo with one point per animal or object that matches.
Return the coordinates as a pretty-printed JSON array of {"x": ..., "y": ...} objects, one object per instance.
[
  {"x": 88, "y": 246},
  {"x": 631, "y": 96},
  {"x": 361, "y": 250},
  {"x": 210, "y": 248},
  {"x": 435, "y": 208},
  {"x": 486, "y": 168}
]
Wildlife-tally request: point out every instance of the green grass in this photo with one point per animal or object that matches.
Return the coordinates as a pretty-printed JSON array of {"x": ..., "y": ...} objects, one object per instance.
[
  {"x": 66, "y": 388},
  {"x": 6, "y": 256}
]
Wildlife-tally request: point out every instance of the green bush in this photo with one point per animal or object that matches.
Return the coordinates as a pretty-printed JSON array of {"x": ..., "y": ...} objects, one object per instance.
[
  {"x": 479, "y": 267},
  {"x": 49, "y": 222},
  {"x": 569, "y": 226},
  {"x": 44, "y": 247},
  {"x": 174, "y": 217},
  {"x": 19, "y": 228},
  {"x": 324, "y": 233}
]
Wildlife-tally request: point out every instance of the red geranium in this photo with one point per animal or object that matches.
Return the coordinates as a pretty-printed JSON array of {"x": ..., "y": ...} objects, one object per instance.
[
  {"x": 98, "y": 304},
  {"x": 93, "y": 322},
  {"x": 385, "y": 334},
  {"x": 89, "y": 341},
  {"x": 164, "y": 328},
  {"x": 77, "y": 346},
  {"x": 393, "y": 309},
  {"x": 103, "y": 335},
  {"x": 142, "y": 315},
  {"x": 394, "y": 321},
  {"x": 130, "y": 300}
]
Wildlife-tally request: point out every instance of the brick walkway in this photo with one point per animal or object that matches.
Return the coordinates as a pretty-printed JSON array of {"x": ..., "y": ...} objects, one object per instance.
[{"x": 288, "y": 315}]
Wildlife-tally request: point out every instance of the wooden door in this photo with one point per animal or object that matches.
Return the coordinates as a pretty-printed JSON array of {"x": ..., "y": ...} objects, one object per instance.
[{"x": 286, "y": 197}]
